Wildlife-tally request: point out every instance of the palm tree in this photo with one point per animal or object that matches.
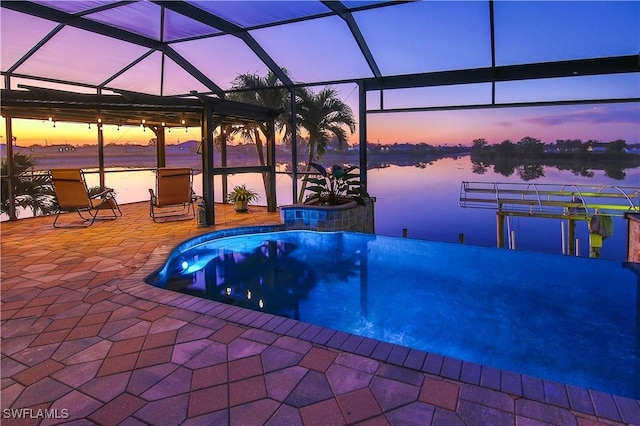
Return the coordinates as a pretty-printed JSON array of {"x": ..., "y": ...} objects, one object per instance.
[
  {"x": 324, "y": 116},
  {"x": 31, "y": 190},
  {"x": 265, "y": 91}
]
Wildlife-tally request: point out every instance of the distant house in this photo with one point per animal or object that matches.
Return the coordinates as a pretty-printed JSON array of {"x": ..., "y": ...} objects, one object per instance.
[{"x": 597, "y": 147}]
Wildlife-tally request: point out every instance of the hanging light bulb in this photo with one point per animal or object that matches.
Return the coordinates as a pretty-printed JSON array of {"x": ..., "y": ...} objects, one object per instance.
[
  {"x": 89, "y": 125},
  {"x": 182, "y": 122},
  {"x": 50, "y": 118}
]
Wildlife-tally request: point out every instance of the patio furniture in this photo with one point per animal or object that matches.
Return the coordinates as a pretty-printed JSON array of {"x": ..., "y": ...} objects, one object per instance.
[
  {"x": 174, "y": 194},
  {"x": 73, "y": 195}
]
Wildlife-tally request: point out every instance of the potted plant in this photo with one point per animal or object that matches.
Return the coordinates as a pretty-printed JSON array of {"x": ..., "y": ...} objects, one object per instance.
[
  {"x": 336, "y": 185},
  {"x": 241, "y": 196}
]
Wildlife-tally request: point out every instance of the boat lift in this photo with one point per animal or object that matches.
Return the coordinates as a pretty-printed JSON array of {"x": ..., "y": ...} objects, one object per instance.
[{"x": 554, "y": 201}]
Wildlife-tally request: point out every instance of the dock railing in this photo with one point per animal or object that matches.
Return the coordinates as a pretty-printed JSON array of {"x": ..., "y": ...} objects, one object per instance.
[
  {"x": 550, "y": 200},
  {"x": 544, "y": 200}
]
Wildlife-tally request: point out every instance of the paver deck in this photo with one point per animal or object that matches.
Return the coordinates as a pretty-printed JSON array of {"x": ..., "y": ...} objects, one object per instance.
[{"x": 85, "y": 341}]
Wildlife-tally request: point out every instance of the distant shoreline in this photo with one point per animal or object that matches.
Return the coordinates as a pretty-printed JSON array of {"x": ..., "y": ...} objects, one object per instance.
[{"x": 139, "y": 156}]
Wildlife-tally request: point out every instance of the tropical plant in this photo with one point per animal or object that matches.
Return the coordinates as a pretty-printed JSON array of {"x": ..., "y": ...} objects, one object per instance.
[
  {"x": 241, "y": 196},
  {"x": 31, "y": 190},
  {"x": 242, "y": 193},
  {"x": 265, "y": 91},
  {"x": 334, "y": 184},
  {"x": 324, "y": 116}
]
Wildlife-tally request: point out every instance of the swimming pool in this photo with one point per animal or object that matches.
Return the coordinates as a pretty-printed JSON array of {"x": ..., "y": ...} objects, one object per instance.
[{"x": 567, "y": 319}]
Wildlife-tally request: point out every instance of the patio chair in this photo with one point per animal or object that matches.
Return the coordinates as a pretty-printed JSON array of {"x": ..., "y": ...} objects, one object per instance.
[
  {"x": 174, "y": 195},
  {"x": 72, "y": 195}
]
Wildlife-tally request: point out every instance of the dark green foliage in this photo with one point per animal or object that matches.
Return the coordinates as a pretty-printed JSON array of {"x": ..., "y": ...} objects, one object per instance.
[
  {"x": 31, "y": 189},
  {"x": 334, "y": 185}
]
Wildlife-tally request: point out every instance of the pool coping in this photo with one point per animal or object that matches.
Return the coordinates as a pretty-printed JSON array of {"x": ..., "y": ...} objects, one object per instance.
[{"x": 517, "y": 385}]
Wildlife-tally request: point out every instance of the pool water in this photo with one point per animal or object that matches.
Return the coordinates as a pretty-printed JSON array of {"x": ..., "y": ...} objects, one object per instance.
[{"x": 567, "y": 319}]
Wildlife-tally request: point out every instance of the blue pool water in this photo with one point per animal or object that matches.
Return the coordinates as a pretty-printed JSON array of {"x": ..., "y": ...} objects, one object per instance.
[{"x": 567, "y": 319}]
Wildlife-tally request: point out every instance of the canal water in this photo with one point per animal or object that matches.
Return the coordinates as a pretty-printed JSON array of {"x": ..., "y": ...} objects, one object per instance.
[{"x": 424, "y": 202}]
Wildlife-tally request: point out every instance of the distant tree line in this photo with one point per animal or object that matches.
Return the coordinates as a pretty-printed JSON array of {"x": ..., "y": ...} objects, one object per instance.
[
  {"x": 532, "y": 148},
  {"x": 529, "y": 156}
]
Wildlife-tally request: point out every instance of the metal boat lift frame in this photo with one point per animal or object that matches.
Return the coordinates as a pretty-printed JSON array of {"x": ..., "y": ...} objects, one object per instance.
[{"x": 555, "y": 201}]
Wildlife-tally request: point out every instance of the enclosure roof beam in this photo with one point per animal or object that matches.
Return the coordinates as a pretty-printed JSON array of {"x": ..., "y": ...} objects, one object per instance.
[{"x": 573, "y": 68}]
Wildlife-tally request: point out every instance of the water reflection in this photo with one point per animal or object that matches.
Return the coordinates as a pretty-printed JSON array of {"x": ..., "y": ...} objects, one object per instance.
[
  {"x": 273, "y": 277},
  {"x": 266, "y": 278},
  {"x": 528, "y": 171}
]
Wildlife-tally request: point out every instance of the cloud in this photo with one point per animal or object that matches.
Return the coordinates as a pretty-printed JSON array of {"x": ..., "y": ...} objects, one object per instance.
[
  {"x": 504, "y": 124},
  {"x": 598, "y": 115}
]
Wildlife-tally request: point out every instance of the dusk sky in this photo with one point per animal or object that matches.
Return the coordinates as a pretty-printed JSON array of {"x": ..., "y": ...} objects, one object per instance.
[
  {"x": 603, "y": 122},
  {"x": 404, "y": 39}
]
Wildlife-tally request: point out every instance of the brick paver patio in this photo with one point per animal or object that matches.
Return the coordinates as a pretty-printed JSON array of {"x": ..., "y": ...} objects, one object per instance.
[{"x": 86, "y": 341}]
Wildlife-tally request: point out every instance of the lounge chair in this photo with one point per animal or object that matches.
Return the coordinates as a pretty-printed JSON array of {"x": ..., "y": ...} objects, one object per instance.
[
  {"x": 174, "y": 195},
  {"x": 72, "y": 195}
]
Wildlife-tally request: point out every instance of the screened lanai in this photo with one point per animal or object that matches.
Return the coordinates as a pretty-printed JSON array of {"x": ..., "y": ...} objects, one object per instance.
[{"x": 387, "y": 57}]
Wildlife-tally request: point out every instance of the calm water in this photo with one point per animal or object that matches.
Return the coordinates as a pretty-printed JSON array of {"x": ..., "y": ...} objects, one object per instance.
[
  {"x": 425, "y": 202},
  {"x": 567, "y": 319},
  {"x": 432, "y": 212}
]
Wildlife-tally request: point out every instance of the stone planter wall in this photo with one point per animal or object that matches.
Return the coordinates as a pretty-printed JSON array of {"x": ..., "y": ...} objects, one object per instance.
[
  {"x": 633, "y": 237},
  {"x": 346, "y": 217}
]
